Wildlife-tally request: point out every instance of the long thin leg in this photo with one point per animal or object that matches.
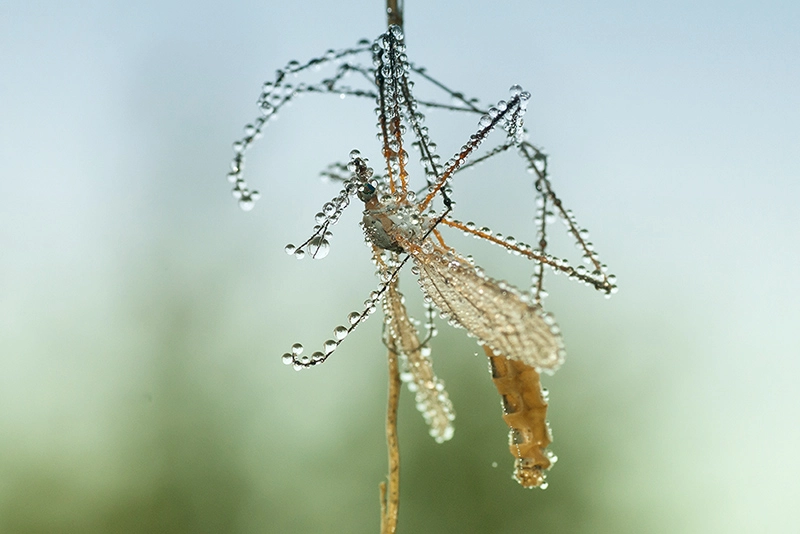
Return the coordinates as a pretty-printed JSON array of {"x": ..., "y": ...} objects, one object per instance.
[
  {"x": 599, "y": 279},
  {"x": 509, "y": 112}
]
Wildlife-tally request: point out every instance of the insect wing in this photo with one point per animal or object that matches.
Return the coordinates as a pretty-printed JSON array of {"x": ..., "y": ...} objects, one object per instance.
[
  {"x": 495, "y": 312},
  {"x": 431, "y": 398}
]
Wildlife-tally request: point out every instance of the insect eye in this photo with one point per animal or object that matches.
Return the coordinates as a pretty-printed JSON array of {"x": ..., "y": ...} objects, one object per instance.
[{"x": 366, "y": 192}]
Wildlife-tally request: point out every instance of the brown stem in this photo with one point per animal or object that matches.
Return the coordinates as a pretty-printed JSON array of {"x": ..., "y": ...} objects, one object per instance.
[
  {"x": 394, "y": 12},
  {"x": 390, "y": 501}
]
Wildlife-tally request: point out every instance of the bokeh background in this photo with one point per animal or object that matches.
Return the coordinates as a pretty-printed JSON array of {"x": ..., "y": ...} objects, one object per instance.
[{"x": 143, "y": 315}]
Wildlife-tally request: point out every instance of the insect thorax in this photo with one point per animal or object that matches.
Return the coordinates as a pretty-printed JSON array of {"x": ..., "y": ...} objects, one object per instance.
[{"x": 390, "y": 224}]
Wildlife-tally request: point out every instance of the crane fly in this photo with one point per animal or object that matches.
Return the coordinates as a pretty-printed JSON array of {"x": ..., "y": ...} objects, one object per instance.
[{"x": 403, "y": 226}]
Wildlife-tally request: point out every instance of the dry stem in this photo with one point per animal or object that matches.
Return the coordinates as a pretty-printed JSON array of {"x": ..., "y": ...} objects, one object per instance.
[
  {"x": 390, "y": 501},
  {"x": 394, "y": 12}
]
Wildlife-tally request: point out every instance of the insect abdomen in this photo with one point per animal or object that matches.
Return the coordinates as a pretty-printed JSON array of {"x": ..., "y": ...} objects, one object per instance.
[{"x": 525, "y": 412}]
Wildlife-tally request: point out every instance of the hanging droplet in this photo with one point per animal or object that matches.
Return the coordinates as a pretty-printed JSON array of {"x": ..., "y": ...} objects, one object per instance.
[
  {"x": 287, "y": 359},
  {"x": 246, "y": 203},
  {"x": 320, "y": 247}
]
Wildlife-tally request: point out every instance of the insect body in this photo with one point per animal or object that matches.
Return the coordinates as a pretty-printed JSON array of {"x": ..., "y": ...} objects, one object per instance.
[
  {"x": 402, "y": 226},
  {"x": 495, "y": 312}
]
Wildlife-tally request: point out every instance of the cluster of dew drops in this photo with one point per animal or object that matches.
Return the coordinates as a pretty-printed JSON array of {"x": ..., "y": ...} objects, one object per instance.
[{"x": 278, "y": 93}]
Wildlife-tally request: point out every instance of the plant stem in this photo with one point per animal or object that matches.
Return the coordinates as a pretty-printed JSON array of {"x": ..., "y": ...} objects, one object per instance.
[
  {"x": 394, "y": 12},
  {"x": 390, "y": 501}
]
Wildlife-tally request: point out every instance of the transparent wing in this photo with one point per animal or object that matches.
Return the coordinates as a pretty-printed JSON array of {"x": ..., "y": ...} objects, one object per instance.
[
  {"x": 431, "y": 398},
  {"x": 493, "y": 311}
]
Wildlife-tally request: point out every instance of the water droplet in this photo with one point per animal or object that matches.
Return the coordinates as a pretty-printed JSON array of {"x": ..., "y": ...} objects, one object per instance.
[
  {"x": 300, "y": 254},
  {"x": 297, "y": 349},
  {"x": 515, "y": 90},
  {"x": 354, "y": 154},
  {"x": 289, "y": 249},
  {"x": 287, "y": 359},
  {"x": 340, "y": 332},
  {"x": 354, "y": 317},
  {"x": 329, "y": 346},
  {"x": 246, "y": 203},
  {"x": 320, "y": 247}
]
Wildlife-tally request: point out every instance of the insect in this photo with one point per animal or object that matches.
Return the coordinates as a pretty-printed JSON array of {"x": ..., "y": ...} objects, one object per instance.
[{"x": 403, "y": 226}]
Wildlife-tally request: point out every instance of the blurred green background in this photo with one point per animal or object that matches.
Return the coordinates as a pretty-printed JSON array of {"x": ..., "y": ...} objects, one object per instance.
[{"x": 143, "y": 315}]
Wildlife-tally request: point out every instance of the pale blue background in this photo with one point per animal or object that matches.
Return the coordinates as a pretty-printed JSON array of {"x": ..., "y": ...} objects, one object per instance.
[{"x": 142, "y": 315}]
